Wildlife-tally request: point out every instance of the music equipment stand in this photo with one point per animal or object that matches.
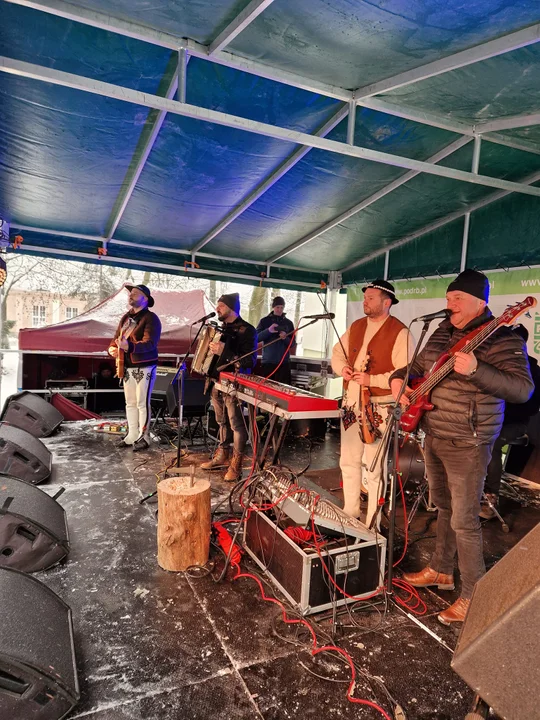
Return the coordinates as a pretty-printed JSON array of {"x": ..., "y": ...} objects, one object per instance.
[{"x": 391, "y": 434}]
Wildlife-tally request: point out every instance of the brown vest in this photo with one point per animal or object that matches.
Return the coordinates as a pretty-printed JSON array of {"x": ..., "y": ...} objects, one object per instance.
[{"x": 379, "y": 348}]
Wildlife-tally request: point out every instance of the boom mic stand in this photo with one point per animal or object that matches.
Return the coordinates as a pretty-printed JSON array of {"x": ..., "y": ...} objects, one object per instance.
[
  {"x": 179, "y": 380},
  {"x": 392, "y": 433}
]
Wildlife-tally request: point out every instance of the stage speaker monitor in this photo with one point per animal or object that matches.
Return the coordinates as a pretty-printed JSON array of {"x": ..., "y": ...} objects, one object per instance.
[
  {"x": 33, "y": 528},
  {"x": 38, "y": 675},
  {"x": 499, "y": 645},
  {"x": 23, "y": 456},
  {"x": 31, "y": 413}
]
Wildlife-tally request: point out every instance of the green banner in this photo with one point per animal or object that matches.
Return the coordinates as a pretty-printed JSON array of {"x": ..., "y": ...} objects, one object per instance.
[{"x": 513, "y": 282}]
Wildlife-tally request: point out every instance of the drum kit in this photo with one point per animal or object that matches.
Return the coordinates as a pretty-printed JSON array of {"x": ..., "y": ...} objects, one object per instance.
[{"x": 412, "y": 471}]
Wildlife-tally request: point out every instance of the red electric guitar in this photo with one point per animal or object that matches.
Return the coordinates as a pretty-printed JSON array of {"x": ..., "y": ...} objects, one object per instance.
[{"x": 419, "y": 398}]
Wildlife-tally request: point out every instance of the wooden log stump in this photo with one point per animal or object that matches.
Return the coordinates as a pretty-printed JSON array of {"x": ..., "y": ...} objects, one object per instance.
[{"x": 183, "y": 532}]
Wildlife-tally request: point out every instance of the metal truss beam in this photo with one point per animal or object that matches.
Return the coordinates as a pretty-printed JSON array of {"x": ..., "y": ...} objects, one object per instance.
[
  {"x": 158, "y": 266},
  {"x": 508, "y": 123},
  {"x": 144, "y": 147},
  {"x": 448, "y": 150},
  {"x": 155, "y": 248},
  {"x": 535, "y": 177},
  {"x": 115, "y": 92},
  {"x": 269, "y": 181},
  {"x": 60, "y": 8},
  {"x": 240, "y": 22},
  {"x": 484, "y": 51}
]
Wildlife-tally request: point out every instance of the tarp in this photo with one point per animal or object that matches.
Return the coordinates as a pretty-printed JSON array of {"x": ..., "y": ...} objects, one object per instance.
[
  {"x": 67, "y": 154},
  {"x": 92, "y": 331}
]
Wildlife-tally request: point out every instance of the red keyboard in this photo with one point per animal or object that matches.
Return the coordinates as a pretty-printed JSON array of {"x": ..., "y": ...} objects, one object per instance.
[{"x": 257, "y": 389}]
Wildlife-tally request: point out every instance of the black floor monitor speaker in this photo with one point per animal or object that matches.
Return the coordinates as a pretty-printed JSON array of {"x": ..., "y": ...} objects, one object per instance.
[
  {"x": 23, "y": 455},
  {"x": 33, "y": 528},
  {"x": 31, "y": 413},
  {"x": 499, "y": 646},
  {"x": 38, "y": 675},
  {"x": 166, "y": 389}
]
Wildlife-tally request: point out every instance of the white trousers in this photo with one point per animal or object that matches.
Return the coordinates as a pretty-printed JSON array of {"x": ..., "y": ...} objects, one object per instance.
[
  {"x": 355, "y": 461},
  {"x": 138, "y": 384}
]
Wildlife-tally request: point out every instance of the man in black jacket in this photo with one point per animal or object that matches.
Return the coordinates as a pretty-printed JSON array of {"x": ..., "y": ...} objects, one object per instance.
[
  {"x": 516, "y": 421},
  {"x": 238, "y": 339},
  {"x": 461, "y": 429},
  {"x": 276, "y": 357},
  {"x": 137, "y": 338}
]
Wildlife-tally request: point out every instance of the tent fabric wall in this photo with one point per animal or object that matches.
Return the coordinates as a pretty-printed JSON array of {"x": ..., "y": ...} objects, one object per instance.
[{"x": 92, "y": 331}]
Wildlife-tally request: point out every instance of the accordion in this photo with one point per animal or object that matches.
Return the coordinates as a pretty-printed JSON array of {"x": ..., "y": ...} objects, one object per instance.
[{"x": 203, "y": 355}]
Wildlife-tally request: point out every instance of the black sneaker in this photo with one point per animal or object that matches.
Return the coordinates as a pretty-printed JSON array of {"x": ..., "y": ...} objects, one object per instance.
[
  {"x": 123, "y": 444},
  {"x": 140, "y": 444}
]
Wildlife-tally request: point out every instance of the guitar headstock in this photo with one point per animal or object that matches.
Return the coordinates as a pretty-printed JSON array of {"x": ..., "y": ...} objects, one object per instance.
[{"x": 514, "y": 311}]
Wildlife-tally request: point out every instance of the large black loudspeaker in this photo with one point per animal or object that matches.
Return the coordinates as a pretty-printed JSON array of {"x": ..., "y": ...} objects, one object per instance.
[
  {"x": 38, "y": 676},
  {"x": 499, "y": 646},
  {"x": 23, "y": 456},
  {"x": 33, "y": 528},
  {"x": 31, "y": 413}
]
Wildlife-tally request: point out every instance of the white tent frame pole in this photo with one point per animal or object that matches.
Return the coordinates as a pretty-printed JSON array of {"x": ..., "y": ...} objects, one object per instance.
[
  {"x": 386, "y": 264},
  {"x": 477, "y": 53},
  {"x": 75, "y": 255},
  {"x": 467, "y": 217},
  {"x": 60, "y": 8},
  {"x": 351, "y": 122},
  {"x": 116, "y": 92},
  {"x": 154, "y": 248},
  {"x": 128, "y": 186},
  {"x": 269, "y": 181},
  {"x": 181, "y": 75},
  {"x": 535, "y": 177},
  {"x": 509, "y": 123},
  {"x": 440, "y": 155},
  {"x": 240, "y": 22}
]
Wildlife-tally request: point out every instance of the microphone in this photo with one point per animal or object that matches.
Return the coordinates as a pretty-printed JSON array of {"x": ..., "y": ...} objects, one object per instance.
[
  {"x": 324, "y": 316},
  {"x": 434, "y": 316},
  {"x": 206, "y": 317}
]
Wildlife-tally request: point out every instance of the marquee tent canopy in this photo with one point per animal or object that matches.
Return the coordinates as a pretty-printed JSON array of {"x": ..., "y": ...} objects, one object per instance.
[
  {"x": 92, "y": 331},
  {"x": 287, "y": 142}
]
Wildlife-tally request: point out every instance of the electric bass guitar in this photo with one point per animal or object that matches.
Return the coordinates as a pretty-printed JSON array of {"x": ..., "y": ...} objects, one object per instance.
[{"x": 420, "y": 397}]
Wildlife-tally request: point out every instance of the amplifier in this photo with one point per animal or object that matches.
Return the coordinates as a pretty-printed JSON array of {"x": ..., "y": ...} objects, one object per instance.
[{"x": 356, "y": 566}]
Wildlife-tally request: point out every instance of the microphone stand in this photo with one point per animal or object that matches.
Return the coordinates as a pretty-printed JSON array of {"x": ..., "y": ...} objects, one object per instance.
[
  {"x": 179, "y": 380},
  {"x": 392, "y": 433}
]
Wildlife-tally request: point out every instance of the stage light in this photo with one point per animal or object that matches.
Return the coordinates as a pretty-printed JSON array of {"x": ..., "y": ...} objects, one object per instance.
[{"x": 3, "y": 271}]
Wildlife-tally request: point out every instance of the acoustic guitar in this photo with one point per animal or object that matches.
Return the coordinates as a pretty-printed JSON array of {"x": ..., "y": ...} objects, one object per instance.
[
  {"x": 420, "y": 397},
  {"x": 125, "y": 332}
]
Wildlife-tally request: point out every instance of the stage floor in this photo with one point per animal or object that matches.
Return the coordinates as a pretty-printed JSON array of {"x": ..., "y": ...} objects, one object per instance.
[{"x": 165, "y": 646}]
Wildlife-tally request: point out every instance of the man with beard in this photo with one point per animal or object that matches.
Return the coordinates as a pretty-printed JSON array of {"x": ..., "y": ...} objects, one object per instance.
[
  {"x": 381, "y": 339},
  {"x": 460, "y": 431},
  {"x": 135, "y": 348},
  {"x": 276, "y": 355},
  {"x": 238, "y": 338}
]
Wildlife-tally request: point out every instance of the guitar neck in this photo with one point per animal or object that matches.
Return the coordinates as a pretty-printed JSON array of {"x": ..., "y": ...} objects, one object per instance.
[{"x": 447, "y": 367}]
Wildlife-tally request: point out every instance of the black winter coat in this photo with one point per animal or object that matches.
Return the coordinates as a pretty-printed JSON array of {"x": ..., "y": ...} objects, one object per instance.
[
  {"x": 472, "y": 408},
  {"x": 240, "y": 338}
]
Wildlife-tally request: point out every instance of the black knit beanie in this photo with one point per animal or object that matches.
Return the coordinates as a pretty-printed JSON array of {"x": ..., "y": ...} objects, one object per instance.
[
  {"x": 232, "y": 300},
  {"x": 472, "y": 282}
]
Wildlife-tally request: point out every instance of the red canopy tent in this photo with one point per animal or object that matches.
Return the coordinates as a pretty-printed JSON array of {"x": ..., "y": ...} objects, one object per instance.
[{"x": 92, "y": 331}]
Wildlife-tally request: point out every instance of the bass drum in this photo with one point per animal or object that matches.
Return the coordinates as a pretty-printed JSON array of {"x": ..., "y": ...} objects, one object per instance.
[{"x": 411, "y": 462}]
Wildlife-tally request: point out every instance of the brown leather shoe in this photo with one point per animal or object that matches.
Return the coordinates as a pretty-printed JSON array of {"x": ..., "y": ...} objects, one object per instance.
[
  {"x": 428, "y": 577},
  {"x": 455, "y": 613},
  {"x": 219, "y": 461}
]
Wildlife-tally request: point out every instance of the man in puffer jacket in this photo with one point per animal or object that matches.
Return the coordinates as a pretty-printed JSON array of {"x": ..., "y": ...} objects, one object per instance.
[{"x": 461, "y": 429}]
